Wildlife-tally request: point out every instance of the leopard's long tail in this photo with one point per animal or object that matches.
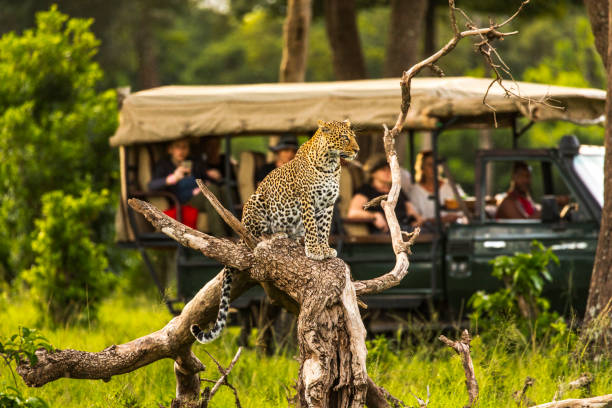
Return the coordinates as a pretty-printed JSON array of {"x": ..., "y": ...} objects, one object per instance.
[{"x": 207, "y": 337}]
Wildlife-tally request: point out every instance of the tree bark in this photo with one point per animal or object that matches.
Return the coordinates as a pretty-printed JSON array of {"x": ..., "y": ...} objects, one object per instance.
[
  {"x": 405, "y": 30},
  {"x": 295, "y": 41},
  {"x": 146, "y": 50},
  {"x": 343, "y": 36},
  {"x": 597, "y": 11},
  {"x": 600, "y": 291}
]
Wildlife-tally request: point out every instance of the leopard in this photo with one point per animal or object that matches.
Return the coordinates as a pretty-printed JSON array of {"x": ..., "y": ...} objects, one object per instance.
[{"x": 295, "y": 200}]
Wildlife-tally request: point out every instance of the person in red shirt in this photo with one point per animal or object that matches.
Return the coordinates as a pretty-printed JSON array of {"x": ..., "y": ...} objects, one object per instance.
[
  {"x": 518, "y": 203},
  {"x": 177, "y": 173}
]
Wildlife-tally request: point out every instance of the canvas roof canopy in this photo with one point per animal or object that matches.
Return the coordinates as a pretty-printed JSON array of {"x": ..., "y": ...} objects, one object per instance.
[{"x": 172, "y": 112}]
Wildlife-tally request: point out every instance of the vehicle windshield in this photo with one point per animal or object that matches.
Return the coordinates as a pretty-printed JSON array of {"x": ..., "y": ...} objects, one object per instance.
[{"x": 589, "y": 164}]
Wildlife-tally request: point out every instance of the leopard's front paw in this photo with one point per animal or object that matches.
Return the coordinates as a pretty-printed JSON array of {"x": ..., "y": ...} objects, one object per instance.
[
  {"x": 315, "y": 253},
  {"x": 330, "y": 252}
]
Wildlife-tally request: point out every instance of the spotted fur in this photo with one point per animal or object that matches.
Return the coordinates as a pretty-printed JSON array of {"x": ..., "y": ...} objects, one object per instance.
[
  {"x": 207, "y": 337},
  {"x": 296, "y": 199}
]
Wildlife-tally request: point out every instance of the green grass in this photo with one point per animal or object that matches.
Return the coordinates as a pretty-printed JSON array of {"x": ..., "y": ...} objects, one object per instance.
[{"x": 501, "y": 365}]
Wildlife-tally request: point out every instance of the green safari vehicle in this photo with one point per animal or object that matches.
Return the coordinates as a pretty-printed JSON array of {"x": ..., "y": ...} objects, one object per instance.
[{"x": 448, "y": 264}]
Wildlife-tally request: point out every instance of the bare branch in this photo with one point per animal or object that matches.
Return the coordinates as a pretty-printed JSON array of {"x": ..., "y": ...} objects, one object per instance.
[
  {"x": 523, "y": 4},
  {"x": 223, "y": 250},
  {"x": 462, "y": 347},
  {"x": 422, "y": 404},
  {"x": 224, "y": 372},
  {"x": 172, "y": 341},
  {"x": 486, "y": 34},
  {"x": 227, "y": 216},
  {"x": 375, "y": 202},
  {"x": 584, "y": 381},
  {"x": 602, "y": 401},
  {"x": 521, "y": 396},
  {"x": 395, "y": 276},
  {"x": 436, "y": 70}
]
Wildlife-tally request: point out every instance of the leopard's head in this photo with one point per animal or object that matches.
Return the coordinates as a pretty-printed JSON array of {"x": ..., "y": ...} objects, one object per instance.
[{"x": 340, "y": 138}]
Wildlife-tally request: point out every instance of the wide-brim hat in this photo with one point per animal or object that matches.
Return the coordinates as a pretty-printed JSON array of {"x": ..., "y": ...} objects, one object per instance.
[{"x": 285, "y": 142}]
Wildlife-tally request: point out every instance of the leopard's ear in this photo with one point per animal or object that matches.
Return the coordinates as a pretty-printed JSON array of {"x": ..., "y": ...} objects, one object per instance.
[
  {"x": 348, "y": 122},
  {"x": 323, "y": 125}
]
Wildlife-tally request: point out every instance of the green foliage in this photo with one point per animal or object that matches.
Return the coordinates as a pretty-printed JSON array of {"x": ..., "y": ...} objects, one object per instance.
[
  {"x": 17, "y": 349},
  {"x": 22, "y": 346},
  {"x": 14, "y": 399},
  {"x": 573, "y": 62},
  {"x": 250, "y": 52},
  {"x": 54, "y": 125},
  {"x": 524, "y": 276},
  {"x": 69, "y": 277}
]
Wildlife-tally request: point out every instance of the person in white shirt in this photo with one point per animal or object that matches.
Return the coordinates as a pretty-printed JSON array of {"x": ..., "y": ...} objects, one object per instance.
[{"x": 423, "y": 189}]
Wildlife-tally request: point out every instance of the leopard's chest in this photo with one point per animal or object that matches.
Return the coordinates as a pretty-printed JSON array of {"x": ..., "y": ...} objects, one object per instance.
[{"x": 325, "y": 191}]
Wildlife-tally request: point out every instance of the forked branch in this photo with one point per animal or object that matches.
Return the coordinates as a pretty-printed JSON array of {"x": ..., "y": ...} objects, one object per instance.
[
  {"x": 462, "y": 347},
  {"x": 487, "y": 36}
]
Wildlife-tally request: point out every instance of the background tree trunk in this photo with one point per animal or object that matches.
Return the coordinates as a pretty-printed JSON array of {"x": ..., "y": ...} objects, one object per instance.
[
  {"x": 598, "y": 15},
  {"x": 148, "y": 67},
  {"x": 600, "y": 291},
  {"x": 295, "y": 41},
  {"x": 341, "y": 25},
  {"x": 429, "y": 43},
  {"x": 404, "y": 35}
]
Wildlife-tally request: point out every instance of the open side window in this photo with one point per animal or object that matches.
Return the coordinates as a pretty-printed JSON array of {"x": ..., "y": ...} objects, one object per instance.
[{"x": 550, "y": 190}]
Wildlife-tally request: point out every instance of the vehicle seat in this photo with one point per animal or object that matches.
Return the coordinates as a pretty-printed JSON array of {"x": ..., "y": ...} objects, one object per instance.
[{"x": 247, "y": 167}]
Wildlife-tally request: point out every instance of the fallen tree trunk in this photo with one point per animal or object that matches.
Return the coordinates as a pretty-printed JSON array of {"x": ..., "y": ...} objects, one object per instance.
[{"x": 602, "y": 401}]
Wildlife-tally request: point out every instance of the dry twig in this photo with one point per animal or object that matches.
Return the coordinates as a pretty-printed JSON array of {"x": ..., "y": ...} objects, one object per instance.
[
  {"x": 521, "y": 396},
  {"x": 422, "y": 404},
  {"x": 375, "y": 202},
  {"x": 228, "y": 217},
  {"x": 224, "y": 372},
  {"x": 462, "y": 347},
  {"x": 584, "y": 381},
  {"x": 487, "y": 36}
]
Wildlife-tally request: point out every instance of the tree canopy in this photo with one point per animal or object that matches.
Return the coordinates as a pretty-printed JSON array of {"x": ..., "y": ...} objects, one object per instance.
[{"x": 54, "y": 125}]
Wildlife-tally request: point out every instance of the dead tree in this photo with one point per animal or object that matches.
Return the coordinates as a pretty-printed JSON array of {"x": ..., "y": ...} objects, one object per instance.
[{"x": 331, "y": 335}]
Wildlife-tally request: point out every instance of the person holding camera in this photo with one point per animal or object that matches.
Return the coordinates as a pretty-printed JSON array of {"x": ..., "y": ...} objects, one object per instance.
[{"x": 177, "y": 173}]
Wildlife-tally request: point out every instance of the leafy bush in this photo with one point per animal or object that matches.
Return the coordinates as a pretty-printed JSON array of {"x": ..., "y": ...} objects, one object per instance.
[
  {"x": 18, "y": 348},
  {"x": 524, "y": 276},
  {"x": 69, "y": 276},
  {"x": 54, "y": 126}
]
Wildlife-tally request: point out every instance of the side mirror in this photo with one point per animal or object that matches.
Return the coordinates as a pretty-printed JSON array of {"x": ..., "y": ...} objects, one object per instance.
[{"x": 550, "y": 209}]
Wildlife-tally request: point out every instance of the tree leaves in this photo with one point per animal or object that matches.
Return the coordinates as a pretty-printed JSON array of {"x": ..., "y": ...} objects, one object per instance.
[{"x": 54, "y": 125}]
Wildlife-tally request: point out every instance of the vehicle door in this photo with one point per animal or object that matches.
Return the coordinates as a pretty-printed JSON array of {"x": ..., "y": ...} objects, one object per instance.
[{"x": 572, "y": 233}]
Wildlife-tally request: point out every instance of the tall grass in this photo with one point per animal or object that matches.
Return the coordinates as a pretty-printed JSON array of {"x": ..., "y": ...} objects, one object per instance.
[{"x": 501, "y": 362}]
